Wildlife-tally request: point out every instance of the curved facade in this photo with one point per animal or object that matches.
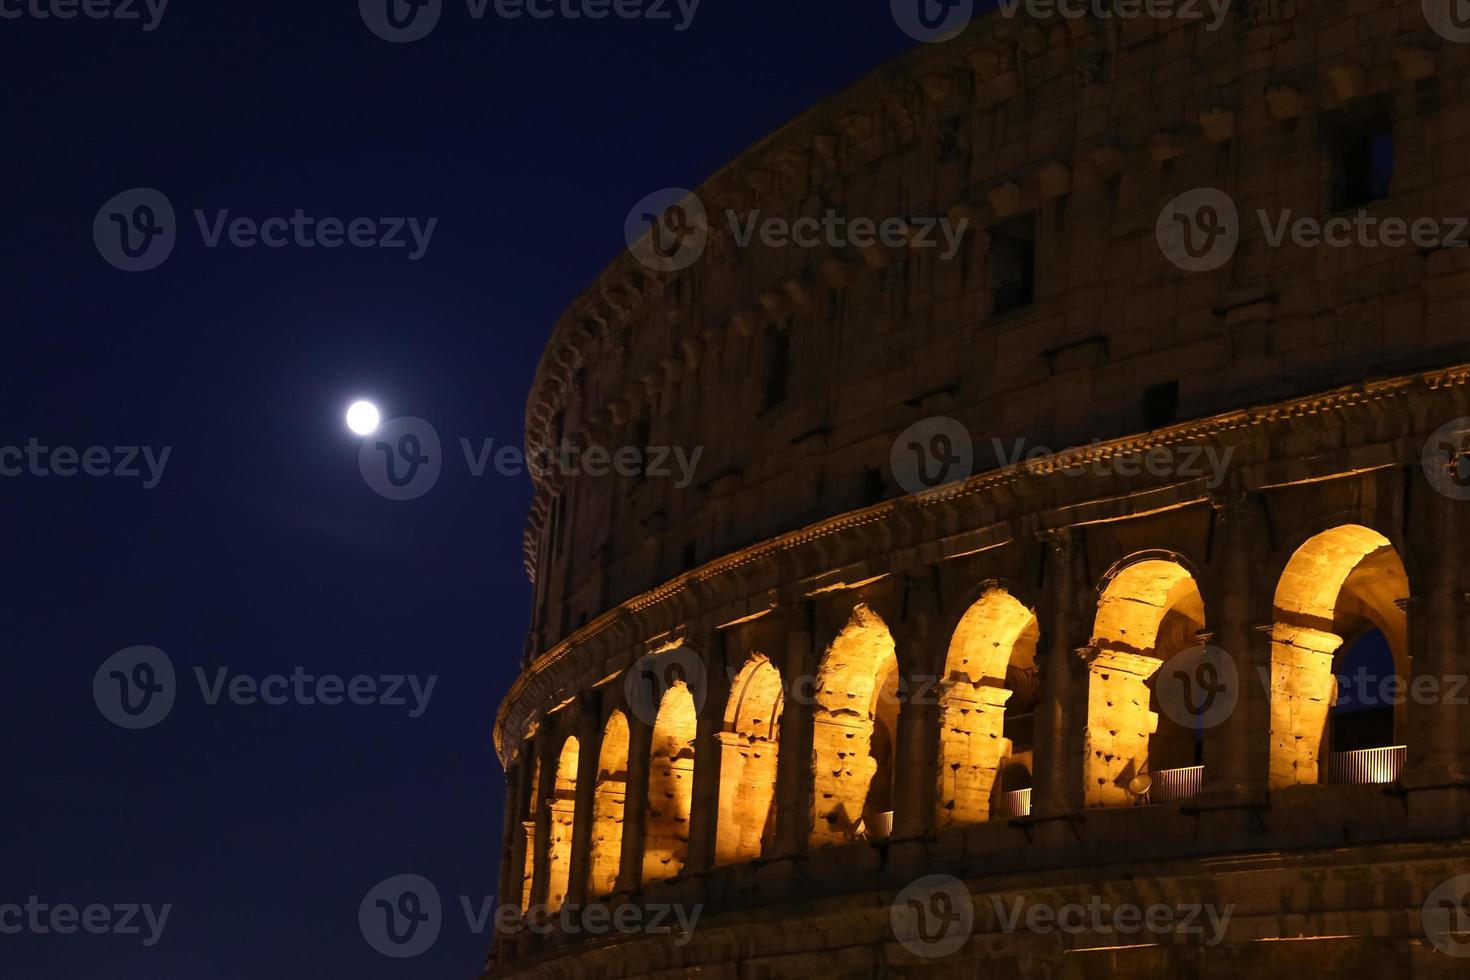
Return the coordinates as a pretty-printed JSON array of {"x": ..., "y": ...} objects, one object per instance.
[{"x": 786, "y": 684}]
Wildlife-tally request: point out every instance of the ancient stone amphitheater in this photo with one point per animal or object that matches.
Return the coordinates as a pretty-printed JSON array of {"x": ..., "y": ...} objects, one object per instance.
[{"x": 1033, "y": 575}]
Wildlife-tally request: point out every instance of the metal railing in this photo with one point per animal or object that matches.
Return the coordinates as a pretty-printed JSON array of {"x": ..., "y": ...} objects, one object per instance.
[
  {"x": 1173, "y": 785},
  {"x": 1366, "y": 766},
  {"x": 1016, "y": 803}
]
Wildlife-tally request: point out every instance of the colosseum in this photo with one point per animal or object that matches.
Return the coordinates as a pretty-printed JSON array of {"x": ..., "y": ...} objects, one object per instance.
[{"x": 1076, "y": 601}]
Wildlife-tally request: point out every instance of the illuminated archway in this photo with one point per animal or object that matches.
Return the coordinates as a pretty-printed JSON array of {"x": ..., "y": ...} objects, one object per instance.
[
  {"x": 670, "y": 785},
  {"x": 993, "y": 643},
  {"x": 748, "y": 751},
  {"x": 854, "y": 727},
  {"x": 608, "y": 807},
  {"x": 1339, "y": 583},
  {"x": 1149, "y": 611},
  {"x": 563, "y": 815}
]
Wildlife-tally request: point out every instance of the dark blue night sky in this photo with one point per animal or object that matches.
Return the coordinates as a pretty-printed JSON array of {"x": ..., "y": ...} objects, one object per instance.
[{"x": 261, "y": 551}]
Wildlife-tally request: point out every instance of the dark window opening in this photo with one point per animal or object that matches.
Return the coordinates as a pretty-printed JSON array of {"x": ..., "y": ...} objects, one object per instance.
[
  {"x": 776, "y": 355},
  {"x": 1361, "y": 151},
  {"x": 1161, "y": 405},
  {"x": 690, "y": 556},
  {"x": 1013, "y": 263},
  {"x": 874, "y": 489}
]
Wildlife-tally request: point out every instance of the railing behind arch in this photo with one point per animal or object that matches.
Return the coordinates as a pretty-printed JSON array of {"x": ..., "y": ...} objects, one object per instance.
[
  {"x": 1016, "y": 803},
  {"x": 1173, "y": 785},
  {"x": 1366, "y": 766}
]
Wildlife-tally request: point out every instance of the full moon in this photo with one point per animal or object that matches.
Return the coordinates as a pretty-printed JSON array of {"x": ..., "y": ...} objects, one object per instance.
[{"x": 363, "y": 418}]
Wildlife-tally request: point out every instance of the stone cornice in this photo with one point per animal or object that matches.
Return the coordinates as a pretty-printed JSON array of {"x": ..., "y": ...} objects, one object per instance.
[{"x": 849, "y": 538}]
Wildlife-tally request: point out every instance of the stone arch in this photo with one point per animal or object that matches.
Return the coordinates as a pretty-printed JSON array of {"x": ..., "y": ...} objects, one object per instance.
[
  {"x": 854, "y": 726},
  {"x": 994, "y": 641},
  {"x": 670, "y": 784},
  {"x": 563, "y": 819},
  {"x": 608, "y": 808},
  {"x": 749, "y": 742},
  {"x": 1337, "y": 583},
  {"x": 1150, "y": 608},
  {"x": 528, "y": 830}
]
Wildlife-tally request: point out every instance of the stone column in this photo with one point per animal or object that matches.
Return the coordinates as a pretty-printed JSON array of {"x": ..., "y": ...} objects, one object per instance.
[
  {"x": 1056, "y": 771},
  {"x": 1438, "y": 750},
  {"x": 972, "y": 742},
  {"x": 704, "y": 807},
  {"x": 794, "y": 760},
  {"x": 1235, "y": 751},
  {"x": 916, "y": 751},
  {"x": 538, "y": 818},
  {"x": 1302, "y": 692},
  {"x": 635, "y": 803},
  {"x": 589, "y": 739},
  {"x": 509, "y": 883},
  {"x": 1119, "y": 723}
]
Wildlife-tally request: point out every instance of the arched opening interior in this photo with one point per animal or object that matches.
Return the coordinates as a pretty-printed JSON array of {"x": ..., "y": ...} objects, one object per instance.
[
  {"x": 748, "y": 752},
  {"x": 986, "y": 698},
  {"x": 1149, "y": 611},
  {"x": 563, "y": 815},
  {"x": 1345, "y": 582},
  {"x": 608, "y": 808},
  {"x": 854, "y": 725},
  {"x": 670, "y": 785}
]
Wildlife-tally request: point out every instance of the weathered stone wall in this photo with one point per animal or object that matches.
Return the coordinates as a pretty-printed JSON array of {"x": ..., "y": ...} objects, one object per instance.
[
  {"x": 1094, "y": 128},
  {"x": 1322, "y": 375}
]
